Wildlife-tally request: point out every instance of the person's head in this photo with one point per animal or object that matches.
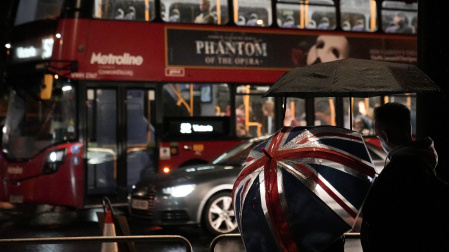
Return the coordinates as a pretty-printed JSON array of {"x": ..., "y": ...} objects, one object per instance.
[
  {"x": 359, "y": 125},
  {"x": 400, "y": 18},
  {"x": 392, "y": 125},
  {"x": 204, "y": 5},
  {"x": 268, "y": 108}
]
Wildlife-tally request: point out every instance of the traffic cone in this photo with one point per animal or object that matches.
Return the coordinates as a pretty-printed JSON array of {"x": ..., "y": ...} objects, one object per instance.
[{"x": 109, "y": 230}]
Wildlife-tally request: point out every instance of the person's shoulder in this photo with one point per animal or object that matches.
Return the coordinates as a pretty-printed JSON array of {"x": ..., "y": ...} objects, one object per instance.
[
  {"x": 407, "y": 165},
  {"x": 210, "y": 18}
]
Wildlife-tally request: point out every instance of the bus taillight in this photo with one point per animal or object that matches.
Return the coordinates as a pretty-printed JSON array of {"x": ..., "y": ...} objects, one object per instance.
[{"x": 166, "y": 170}]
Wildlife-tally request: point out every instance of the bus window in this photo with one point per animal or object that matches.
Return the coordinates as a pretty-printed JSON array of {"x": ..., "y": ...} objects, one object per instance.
[
  {"x": 137, "y": 10},
  {"x": 39, "y": 123},
  {"x": 358, "y": 16},
  {"x": 312, "y": 14},
  {"x": 220, "y": 11},
  {"x": 399, "y": 17},
  {"x": 34, "y": 10},
  {"x": 182, "y": 12},
  {"x": 196, "y": 11},
  {"x": 252, "y": 12},
  {"x": 325, "y": 111},
  {"x": 362, "y": 114},
  {"x": 408, "y": 100},
  {"x": 189, "y": 100},
  {"x": 318, "y": 14},
  {"x": 254, "y": 114},
  {"x": 295, "y": 113},
  {"x": 288, "y": 15}
]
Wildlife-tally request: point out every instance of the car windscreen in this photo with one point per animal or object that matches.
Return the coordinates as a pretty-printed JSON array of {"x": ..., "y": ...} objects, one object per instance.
[{"x": 237, "y": 155}]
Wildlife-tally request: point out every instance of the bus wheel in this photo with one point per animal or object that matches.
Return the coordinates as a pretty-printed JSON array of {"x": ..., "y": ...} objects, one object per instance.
[{"x": 218, "y": 215}]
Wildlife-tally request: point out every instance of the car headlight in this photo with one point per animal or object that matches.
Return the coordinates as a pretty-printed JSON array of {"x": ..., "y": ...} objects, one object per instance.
[
  {"x": 54, "y": 160},
  {"x": 179, "y": 191}
]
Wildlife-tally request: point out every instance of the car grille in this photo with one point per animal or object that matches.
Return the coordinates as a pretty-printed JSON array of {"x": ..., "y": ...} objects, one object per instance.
[
  {"x": 170, "y": 216},
  {"x": 147, "y": 213}
]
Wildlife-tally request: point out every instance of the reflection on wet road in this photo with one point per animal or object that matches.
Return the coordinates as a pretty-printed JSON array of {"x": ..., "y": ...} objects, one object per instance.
[{"x": 46, "y": 222}]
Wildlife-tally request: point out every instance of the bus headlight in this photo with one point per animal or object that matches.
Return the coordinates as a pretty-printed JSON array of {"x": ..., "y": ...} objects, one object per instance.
[
  {"x": 54, "y": 160},
  {"x": 179, "y": 191}
]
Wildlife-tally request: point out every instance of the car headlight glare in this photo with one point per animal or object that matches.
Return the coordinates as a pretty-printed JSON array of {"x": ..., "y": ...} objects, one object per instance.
[{"x": 179, "y": 191}]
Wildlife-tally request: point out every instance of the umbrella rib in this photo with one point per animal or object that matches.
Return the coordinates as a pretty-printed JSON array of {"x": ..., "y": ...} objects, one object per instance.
[
  {"x": 275, "y": 209},
  {"x": 322, "y": 153},
  {"x": 247, "y": 170},
  {"x": 327, "y": 189}
]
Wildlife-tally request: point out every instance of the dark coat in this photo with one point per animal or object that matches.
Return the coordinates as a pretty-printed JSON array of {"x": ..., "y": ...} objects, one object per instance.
[{"x": 403, "y": 210}]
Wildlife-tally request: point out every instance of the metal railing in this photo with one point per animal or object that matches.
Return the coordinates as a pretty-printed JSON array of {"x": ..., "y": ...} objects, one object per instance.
[
  {"x": 219, "y": 238},
  {"x": 234, "y": 237},
  {"x": 134, "y": 238}
]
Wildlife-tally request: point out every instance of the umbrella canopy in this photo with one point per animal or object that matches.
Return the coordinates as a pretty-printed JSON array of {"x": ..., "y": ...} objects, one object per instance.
[
  {"x": 302, "y": 188},
  {"x": 351, "y": 78}
]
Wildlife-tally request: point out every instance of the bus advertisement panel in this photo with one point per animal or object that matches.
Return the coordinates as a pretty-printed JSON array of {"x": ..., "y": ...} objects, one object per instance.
[{"x": 173, "y": 53}]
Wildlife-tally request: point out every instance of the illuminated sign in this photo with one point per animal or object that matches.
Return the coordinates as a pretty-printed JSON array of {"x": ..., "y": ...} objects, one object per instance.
[
  {"x": 188, "y": 128},
  {"x": 196, "y": 127},
  {"x": 26, "y": 52},
  {"x": 43, "y": 51},
  {"x": 47, "y": 47}
]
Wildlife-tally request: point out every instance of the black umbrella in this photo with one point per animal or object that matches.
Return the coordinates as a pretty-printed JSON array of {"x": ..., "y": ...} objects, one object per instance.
[{"x": 351, "y": 78}]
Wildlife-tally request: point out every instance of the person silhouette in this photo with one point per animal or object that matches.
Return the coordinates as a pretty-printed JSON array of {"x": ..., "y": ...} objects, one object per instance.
[{"x": 205, "y": 17}]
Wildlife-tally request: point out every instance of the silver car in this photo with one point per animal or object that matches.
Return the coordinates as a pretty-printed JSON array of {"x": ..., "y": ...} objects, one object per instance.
[
  {"x": 201, "y": 194},
  {"x": 198, "y": 194}
]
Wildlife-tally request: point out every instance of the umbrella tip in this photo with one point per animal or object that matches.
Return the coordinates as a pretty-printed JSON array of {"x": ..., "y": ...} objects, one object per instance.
[{"x": 266, "y": 153}]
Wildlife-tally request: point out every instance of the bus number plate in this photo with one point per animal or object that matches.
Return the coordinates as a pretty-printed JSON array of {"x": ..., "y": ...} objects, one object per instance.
[
  {"x": 140, "y": 204},
  {"x": 16, "y": 199}
]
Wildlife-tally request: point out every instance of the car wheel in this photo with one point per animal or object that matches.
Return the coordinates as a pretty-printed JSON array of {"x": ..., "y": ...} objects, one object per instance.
[{"x": 218, "y": 215}]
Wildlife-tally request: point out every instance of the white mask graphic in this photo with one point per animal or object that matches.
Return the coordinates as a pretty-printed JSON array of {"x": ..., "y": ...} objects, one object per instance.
[{"x": 328, "y": 48}]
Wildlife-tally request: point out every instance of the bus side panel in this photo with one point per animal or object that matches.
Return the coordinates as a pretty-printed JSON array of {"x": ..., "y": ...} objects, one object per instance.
[
  {"x": 111, "y": 50},
  {"x": 66, "y": 186},
  {"x": 175, "y": 154},
  {"x": 26, "y": 182},
  {"x": 3, "y": 185},
  {"x": 19, "y": 179},
  {"x": 143, "y": 51}
]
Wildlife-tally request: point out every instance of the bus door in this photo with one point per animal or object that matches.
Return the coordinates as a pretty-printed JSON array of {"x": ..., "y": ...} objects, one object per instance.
[
  {"x": 102, "y": 142},
  {"x": 120, "y": 139},
  {"x": 141, "y": 141}
]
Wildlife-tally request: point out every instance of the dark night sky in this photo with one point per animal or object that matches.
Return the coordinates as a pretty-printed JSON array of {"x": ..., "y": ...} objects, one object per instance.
[{"x": 4, "y": 19}]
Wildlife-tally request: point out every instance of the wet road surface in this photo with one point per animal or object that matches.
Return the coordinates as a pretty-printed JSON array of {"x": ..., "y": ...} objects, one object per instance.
[{"x": 47, "y": 222}]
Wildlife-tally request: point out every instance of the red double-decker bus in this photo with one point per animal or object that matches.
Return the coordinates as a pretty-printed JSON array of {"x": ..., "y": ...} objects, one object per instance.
[{"x": 103, "y": 92}]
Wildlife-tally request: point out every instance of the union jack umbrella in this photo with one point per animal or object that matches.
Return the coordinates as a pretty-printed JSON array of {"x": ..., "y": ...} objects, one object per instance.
[{"x": 302, "y": 188}]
